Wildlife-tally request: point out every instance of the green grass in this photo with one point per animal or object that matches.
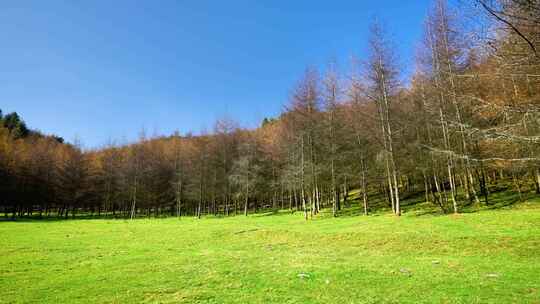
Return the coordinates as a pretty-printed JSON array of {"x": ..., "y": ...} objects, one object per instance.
[{"x": 490, "y": 256}]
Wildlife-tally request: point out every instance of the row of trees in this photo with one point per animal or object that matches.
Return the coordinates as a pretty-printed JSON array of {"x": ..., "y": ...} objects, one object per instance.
[{"x": 470, "y": 116}]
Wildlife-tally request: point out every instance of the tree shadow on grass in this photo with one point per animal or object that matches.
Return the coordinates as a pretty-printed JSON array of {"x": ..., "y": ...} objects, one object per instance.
[
  {"x": 498, "y": 199},
  {"x": 509, "y": 200},
  {"x": 267, "y": 213},
  {"x": 53, "y": 219}
]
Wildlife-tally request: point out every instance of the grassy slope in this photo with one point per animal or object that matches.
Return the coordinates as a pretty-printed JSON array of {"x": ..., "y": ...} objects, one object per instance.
[{"x": 491, "y": 256}]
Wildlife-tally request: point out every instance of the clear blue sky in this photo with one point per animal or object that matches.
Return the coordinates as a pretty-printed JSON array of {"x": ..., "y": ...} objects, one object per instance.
[{"x": 106, "y": 69}]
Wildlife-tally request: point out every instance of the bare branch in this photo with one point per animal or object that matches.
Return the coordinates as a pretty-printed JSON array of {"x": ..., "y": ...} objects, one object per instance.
[{"x": 492, "y": 12}]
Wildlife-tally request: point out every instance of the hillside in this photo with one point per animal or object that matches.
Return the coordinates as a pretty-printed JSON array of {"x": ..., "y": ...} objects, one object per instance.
[{"x": 483, "y": 256}]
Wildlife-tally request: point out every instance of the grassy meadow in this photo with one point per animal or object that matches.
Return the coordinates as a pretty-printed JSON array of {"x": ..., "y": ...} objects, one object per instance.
[{"x": 491, "y": 255}]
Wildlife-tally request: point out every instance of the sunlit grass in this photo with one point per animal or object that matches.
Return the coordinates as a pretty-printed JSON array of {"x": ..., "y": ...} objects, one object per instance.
[{"x": 490, "y": 256}]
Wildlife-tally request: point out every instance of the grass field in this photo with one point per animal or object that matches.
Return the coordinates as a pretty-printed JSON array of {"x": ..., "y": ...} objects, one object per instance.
[{"x": 489, "y": 256}]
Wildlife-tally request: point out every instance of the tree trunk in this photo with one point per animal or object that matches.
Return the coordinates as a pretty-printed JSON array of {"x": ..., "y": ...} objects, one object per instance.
[{"x": 364, "y": 187}]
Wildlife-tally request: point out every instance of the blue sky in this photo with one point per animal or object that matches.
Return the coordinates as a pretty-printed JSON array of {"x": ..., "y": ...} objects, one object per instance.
[{"x": 100, "y": 70}]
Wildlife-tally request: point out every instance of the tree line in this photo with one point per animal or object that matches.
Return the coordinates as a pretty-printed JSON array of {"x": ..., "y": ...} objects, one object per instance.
[{"x": 468, "y": 117}]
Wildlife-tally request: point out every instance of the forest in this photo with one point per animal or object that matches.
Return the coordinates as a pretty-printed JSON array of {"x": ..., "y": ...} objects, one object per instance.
[{"x": 467, "y": 118}]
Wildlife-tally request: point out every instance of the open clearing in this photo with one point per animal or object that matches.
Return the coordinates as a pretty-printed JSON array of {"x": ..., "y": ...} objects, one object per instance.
[{"x": 490, "y": 256}]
